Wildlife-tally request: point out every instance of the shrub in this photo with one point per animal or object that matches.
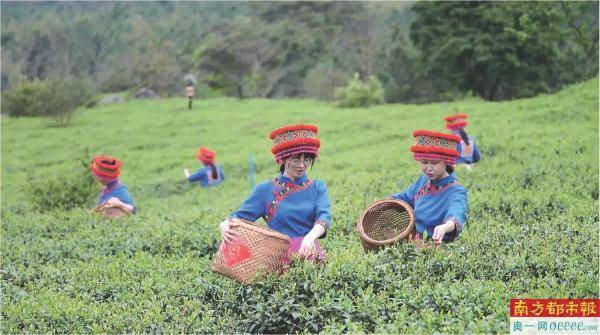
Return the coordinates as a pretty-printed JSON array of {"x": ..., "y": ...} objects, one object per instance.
[
  {"x": 54, "y": 98},
  {"x": 63, "y": 191},
  {"x": 359, "y": 94},
  {"x": 25, "y": 99},
  {"x": 321, "y": 80}
]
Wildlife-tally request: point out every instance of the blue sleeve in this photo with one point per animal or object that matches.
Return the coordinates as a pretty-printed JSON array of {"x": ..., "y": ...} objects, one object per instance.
[
  {"x": 323, "y": 205},
  {"x": 476, "y": 153},
  {"x": 200, "y": 175},
  {"x": 457, "y": 208},
  {"x": 408, "y": 195},
  {"x": 255, "y": 205},
  {"x": 221, "y": 173},
  {"x": 123, "y": 194}
]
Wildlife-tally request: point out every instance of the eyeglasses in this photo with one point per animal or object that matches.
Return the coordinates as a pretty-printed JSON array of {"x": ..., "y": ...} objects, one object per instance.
[{"x": 296, "y": 161}]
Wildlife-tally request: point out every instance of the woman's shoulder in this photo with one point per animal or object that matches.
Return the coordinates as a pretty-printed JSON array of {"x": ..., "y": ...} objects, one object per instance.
[
  {"x": 319, "y": 183},
  {"x": 458, "y": 188},
  {"x": 265, "y": 185},
  {"x": 120, "y": 188},
  {"x": 421, "y": 180}
]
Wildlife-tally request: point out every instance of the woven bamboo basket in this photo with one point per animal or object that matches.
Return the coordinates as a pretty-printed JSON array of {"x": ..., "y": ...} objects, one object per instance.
[
  {"x": 383, "y": 223},
  {"x": 110, "y": 212},
  {"x": 261, "y": 250}
]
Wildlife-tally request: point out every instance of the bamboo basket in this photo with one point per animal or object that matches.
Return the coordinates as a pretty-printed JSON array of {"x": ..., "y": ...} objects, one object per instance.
[
  {"x": 261, "y": 250},
  {"x": 110, "y": 212},
  {"x": 384, "y": 223}
]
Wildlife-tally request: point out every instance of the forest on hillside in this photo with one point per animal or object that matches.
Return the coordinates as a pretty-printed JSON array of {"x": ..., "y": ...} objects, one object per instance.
[{"x": 418, "y": 51}]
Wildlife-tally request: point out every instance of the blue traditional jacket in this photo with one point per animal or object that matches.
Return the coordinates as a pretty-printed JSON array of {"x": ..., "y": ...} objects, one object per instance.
[
  {"x": 469, "y": 154},
  {"x": 117, "y": 190},
  {"x": 436, "y": 202},
  {"x": 291, "y": 208},
  {"x": 204, "y": 176}
]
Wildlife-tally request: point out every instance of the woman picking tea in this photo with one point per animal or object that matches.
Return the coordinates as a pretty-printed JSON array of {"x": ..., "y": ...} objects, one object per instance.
[
  {"x": 438, "y": 200},
  {"x": 291, "y": 203}
]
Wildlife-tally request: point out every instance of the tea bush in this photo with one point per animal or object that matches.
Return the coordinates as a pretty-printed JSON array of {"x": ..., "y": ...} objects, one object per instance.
[
  {"x": 360, "y": 94},
  {"x": 532, "y": 229},
  {"x": 55, "y": 98},
  {"x": 72, "y": 189},
  {"x": 60, "y": 191}
]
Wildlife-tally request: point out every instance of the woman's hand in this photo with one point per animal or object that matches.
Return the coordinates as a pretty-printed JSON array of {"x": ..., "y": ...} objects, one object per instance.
[
  {"x": 307, "y": 247},
  {"x": 186, "y": 173},
  {"x": 227, "y": 234},
  {"x": 115, "y": 202},
  {"x": 441, "y": 230}
]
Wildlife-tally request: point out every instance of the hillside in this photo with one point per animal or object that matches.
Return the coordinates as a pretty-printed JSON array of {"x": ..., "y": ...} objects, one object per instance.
[{"x": 532, "y": 229}]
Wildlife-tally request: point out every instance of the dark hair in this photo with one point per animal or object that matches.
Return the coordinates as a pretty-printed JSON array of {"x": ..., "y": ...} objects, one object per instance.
[
  {"x": 449, "y": 169},
  {"x": 464, "y": 136},
  {"x": 306, "y": 154},
  {"x": 215, "y": 174}
]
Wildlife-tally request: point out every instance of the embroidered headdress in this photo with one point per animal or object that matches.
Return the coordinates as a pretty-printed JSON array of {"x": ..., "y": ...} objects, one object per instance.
[
  {"x": 291, "y": 140},
  {"x": 456, "y": 122},
  {"x": 105, "y": 167},
  {"x": 435, "y": 145}
]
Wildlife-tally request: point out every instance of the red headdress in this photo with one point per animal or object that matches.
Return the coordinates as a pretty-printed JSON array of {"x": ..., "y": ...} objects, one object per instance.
[
  {"x": 456, "y": 122},
  {"x": 106, "y": 167},
  {"x": 435, "y": 145},
  {"x": 206, "y": 156},
  {"x": 291, "y": 140}
]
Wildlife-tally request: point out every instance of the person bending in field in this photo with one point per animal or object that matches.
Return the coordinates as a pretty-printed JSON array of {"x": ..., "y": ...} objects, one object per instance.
[
  {"x": 106, "y": 169},
  {"x": 438, "y": 200},
  {"x": 469, "y": 152},
  {"x": 291, "y": 203},
  {"x": 210, "y": 174}
]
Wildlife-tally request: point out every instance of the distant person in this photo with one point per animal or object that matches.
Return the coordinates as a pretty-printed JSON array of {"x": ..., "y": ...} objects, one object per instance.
[
  {"x": 292, "y": 203},
  {"x": 210, "y": 174},
  {"x": 189, "y": 90},
  {"x": 106, "y": 169},
  {"x": 469, "y": 152},
  {"x": 438, "y": 200}
]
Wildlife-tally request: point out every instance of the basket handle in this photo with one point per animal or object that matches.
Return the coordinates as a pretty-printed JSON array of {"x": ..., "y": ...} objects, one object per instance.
[
  {"x": 270, "y": 232},
  {"x": 100, "y": 207},
  {"x": 234, "y": 221}
]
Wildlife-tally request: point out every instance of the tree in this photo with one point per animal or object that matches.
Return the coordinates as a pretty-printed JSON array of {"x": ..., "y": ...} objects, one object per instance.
[
  {"x": 230, "y": 56},
  {"x": 398, "y": 70},
  {"x": 580, "y": 49},
  {"x": 498, "y": 50}
]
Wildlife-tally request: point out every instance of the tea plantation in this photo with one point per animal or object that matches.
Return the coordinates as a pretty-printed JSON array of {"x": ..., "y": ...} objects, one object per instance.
[{"x": 532, "y": 229}]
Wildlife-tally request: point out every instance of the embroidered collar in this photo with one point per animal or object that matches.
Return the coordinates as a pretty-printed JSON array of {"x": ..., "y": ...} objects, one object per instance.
[
  {"x": 281, "y": 179},
  {"x": 285, "y": 188},
  {"x": 441, "y": 182},
  {"x": 437, "y": 187},
  {"x": 111, "y": 186}
]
